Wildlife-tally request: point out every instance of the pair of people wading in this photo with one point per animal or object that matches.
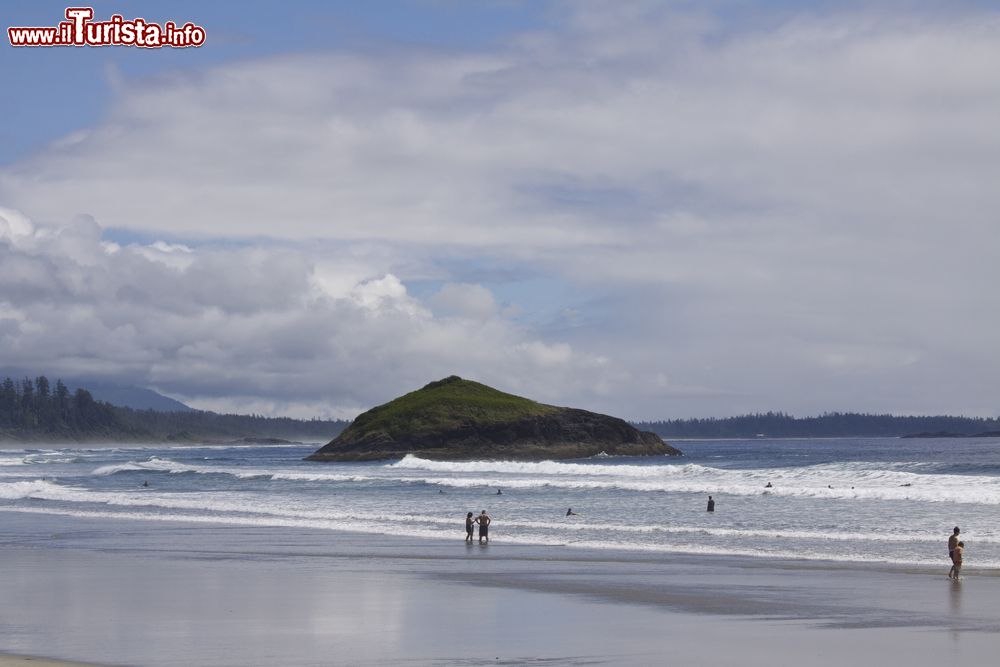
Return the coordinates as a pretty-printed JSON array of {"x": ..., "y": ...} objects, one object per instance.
[
  {"x": 955, "y": 552},
  {"x": 484, "y": 527}
]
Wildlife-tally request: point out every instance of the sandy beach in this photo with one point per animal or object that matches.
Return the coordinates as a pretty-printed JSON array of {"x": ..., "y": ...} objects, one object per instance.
[
  {"x": 185, "y": 594},
  {"x": 31, "y": 661}
]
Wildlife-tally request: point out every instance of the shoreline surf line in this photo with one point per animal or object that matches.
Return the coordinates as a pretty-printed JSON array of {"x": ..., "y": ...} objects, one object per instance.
[{"x": 984, "y": 568}]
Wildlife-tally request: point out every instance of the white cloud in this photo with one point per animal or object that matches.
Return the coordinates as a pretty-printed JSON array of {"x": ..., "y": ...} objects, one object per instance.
[
  {"x": 463, "y": 300},
  {"x": 244, "y": 328},
  {"x": 797, "y": 214}
]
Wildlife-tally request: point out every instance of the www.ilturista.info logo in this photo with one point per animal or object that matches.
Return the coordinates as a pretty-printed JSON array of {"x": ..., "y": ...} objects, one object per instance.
[{"x": 79, "y": 29}]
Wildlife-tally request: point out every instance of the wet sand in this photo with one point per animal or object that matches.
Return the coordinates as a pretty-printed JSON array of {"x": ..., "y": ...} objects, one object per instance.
[
  {"x": 30, "y": 661},
  {"x": 138, "y": 593}
]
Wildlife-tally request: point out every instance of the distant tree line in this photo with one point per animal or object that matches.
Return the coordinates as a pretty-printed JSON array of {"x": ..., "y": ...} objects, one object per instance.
[
  {"x": 36, "y": 406},
  {"x": 201, "y": 424},
  {"x": 34, "y": 409},
  {"x": 830, "y": 424}
]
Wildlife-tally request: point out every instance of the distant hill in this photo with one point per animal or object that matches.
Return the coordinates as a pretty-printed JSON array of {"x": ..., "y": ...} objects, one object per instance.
[
  {"x": 122, "y": 395},
  {"x": 831, "y": 424},
  {"x": 35, "y": 410},
  {"x": 137, "y": 398},
  {"x": 455, "y": 419}
]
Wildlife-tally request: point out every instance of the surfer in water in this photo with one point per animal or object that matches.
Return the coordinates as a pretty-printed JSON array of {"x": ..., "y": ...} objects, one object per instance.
[
  {"x": 570, "y": 512},
  {"x": 711, "y": 504},
  {"x": 484, "y": 527}
]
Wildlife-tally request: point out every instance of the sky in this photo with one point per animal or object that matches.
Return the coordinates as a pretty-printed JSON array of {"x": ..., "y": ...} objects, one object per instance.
[{"x": 655, "y": 210}]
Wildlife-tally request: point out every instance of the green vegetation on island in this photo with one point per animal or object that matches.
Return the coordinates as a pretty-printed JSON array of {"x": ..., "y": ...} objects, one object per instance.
[
  {"x": 461, "y": 419},
  {"x": 442, "y": 406}
]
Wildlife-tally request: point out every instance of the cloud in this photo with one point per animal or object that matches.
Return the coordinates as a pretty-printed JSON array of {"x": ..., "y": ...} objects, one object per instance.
[
  {"x": 246, "y": 328},
  {"x": 470, "y": 301},
  {"x": 793, "y": 213}
]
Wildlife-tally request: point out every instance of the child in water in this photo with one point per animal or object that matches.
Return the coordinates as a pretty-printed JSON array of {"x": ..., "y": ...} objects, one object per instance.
[
  {"x": 957, "y": 559},
  {"x": 470, "y": 527}
]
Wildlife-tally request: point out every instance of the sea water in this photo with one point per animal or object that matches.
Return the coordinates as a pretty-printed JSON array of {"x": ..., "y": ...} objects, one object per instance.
[{"x": 851, "y": 499}]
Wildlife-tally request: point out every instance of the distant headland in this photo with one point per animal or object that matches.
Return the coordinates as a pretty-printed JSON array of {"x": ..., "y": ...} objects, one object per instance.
[
  {"x": 827, "y": 425},
  {"x": 949, "y": 434},
  {"x": 34, "y": 410},
  {"x": 456, "y": 419}
]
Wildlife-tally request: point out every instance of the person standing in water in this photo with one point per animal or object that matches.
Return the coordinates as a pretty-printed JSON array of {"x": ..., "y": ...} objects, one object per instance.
[
  {"x": 711, "y": 504},
  {"x": 484, "y": 527},
  {"x": 952, "y": 545},
  {"x": 470, "y": 527},
  {"x": 956, "y": 559}
]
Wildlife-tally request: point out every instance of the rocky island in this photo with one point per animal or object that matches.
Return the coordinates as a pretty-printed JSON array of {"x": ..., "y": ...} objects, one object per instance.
[{"x": 456, "y": 419}]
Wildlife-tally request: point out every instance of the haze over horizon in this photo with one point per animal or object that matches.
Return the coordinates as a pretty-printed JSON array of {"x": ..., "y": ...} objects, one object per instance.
[{"x": 653, "y": 210}]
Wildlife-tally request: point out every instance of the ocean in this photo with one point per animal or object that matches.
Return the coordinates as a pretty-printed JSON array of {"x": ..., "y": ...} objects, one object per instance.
[{"x": 865, "y": 500}]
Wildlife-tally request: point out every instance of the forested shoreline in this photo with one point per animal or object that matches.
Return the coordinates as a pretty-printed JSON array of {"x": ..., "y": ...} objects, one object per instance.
[
  {"x": 36, "y": 410},
  {"x": 831, "y": 425}
]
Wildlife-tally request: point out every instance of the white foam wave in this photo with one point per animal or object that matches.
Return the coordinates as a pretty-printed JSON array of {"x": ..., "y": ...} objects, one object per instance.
[
  {"x": 283, "y": 507},
  {"x": 156, "y": 464},
  {"x": 12, "y": 461},
  {"x": 28, "y": 489},
  {"x": 322, "y": 477},
  {"x": 152, "y": 464},
  {"x": 963, "y": 490},
  {"x": 366, "y": 527},
  {"x": 50, "y": 458},
  {"x": 549, "y": 468},
  {"x": 850, "y": 481}
]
